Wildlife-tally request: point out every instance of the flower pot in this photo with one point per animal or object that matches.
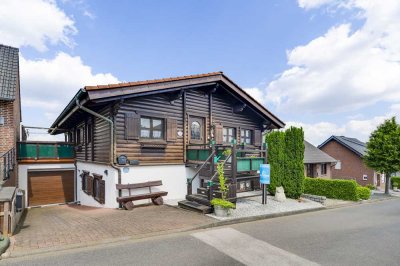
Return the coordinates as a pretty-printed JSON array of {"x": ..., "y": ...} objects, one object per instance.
[
  {"x": 220, "y": 212},
  {"x": 395, "y": 188}
]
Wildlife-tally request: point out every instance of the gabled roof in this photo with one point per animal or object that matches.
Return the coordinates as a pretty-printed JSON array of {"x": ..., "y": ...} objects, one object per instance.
[
  {"x": 148, "y": 82},
  {"x": 314, "y": 155},
  {"x": 353, "y": 144},
  {"x": 9, "y": 69},
  {"x": 112, "y": 92}
]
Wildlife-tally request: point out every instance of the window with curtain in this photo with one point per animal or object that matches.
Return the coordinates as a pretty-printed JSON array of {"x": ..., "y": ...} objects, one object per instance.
[
  {"x": 229, "y": 134},
  {"x": 151, "y": 128},
  {"x": 246, "y": 136}
]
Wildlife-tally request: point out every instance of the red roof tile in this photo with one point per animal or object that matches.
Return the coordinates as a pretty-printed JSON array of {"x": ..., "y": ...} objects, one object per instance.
[{"x": 146, "y": 82}]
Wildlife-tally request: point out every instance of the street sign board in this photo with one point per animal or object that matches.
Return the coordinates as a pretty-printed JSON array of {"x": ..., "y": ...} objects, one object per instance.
[{"x": 265, "y": 171}]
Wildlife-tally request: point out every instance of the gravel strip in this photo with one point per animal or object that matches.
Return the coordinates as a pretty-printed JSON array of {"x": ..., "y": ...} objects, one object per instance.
[{"x": 250, "y": 207}]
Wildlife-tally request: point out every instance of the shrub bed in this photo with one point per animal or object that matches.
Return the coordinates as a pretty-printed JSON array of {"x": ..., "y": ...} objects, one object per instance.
[
  {"x": 395, "y": 179},
  {"x": 331, "y": 188},
  {"x": 363, "y": 193}
]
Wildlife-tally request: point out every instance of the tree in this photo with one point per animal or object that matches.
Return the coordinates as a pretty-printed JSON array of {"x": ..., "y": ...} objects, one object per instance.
[{"x": 383, "y": 150}]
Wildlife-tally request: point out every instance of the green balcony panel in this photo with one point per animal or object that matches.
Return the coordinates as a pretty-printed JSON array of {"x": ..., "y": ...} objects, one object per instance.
[
  {"x": 26, "y": 151},
  {"x": 197, "y": 154},
  {"x": 65, "y": 151},
  {"x": 47, "y": 151},
  {"x": 243, "y": 164},
  {"x": 255, "y": 163}
]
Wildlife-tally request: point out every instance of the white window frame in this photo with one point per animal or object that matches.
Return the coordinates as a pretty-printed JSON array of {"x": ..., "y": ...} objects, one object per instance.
[
  {"x": 365, "y": 177},
  {"x": 338, "y": 165}
]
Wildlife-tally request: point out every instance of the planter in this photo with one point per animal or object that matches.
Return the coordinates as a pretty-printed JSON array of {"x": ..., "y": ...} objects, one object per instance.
[
  {"x": 395, "y": 188},
  {"x": 221, "y": 212}
]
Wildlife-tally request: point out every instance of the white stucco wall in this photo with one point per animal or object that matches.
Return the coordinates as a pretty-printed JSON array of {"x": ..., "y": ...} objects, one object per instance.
[
  {"x": 111, "y": 179},
  {"x": 173, "y": 178},
  {"x": 24, "y": 168}
]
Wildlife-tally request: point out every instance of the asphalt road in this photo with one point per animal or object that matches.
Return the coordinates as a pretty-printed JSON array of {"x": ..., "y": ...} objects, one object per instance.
[{"x": 367, "y": 234}]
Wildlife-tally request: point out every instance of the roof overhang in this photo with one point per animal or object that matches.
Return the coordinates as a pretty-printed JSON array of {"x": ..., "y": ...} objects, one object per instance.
[
  {"x": 105, "y": 93},
  {"x": 340, "y": 142}
]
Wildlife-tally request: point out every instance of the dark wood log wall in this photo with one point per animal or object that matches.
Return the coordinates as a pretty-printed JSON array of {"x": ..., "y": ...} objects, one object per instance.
[
  {"x": 162, "y": 151},
  {"x": 99, "y": 149},
  {"x": 102, "y": 137},
  {"x": 172, "y": 151},
  {"x": 197, "y": 104},
  {"x": 223, "y": 113}
]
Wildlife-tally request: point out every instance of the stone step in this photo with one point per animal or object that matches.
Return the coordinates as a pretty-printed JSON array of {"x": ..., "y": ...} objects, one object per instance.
[
  {"x": 194, "y": 206},
  {"x": 201, "y": 199}
]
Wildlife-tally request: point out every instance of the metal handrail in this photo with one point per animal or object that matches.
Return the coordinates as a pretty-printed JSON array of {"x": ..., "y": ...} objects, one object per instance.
[
  {"x": 8, "y": 163},
  {"x": 224, "y": 162},
  {"x": 201, "y": 167}
]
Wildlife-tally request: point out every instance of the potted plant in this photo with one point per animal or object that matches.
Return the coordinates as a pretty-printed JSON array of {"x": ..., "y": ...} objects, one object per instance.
[
  {"x": 221, "y": 206},
  {"x": 395, "y": 185}
]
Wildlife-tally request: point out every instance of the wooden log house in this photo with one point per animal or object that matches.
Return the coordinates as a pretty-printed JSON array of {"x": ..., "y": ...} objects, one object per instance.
[{"x": 172, "y": 129}]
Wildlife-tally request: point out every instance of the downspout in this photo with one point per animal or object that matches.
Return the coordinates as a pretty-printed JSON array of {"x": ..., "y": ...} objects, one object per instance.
[{"x": 112, "y": 139}]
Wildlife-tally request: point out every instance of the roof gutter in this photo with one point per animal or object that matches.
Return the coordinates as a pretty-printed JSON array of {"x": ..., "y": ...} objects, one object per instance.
[
  {"x": 83, "y": 108},
  {"x": 65, "y": 114}
]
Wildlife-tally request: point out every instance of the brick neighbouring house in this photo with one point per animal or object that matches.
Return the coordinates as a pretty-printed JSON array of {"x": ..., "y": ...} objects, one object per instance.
[
  {"x": 349, "y": 152},
  {"x": 316, "y": 162},
  {"x": 10, "y": 111}
]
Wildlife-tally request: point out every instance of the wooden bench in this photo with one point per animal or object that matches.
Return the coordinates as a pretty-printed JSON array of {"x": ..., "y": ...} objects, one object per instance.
[{"x": 156, "y": 196}]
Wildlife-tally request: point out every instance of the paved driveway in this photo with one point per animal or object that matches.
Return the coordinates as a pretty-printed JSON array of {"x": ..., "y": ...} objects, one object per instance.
[{"x": 60, "y": 227}]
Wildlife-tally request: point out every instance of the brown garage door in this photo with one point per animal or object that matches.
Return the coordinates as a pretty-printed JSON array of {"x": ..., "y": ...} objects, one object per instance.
[{"x": 48, "y": 187}]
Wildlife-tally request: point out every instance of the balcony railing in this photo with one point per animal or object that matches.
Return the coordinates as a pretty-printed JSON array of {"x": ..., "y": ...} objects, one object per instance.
[
  {"x": 39, "y": 151},
  {"x": 7, "y": 163},
  {"x": 247, "y": 159}
]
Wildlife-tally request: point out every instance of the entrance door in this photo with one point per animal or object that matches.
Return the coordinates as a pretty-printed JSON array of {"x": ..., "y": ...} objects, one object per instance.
[
  {"x": 196, "y": 129},
  {"x": 49, "y": 187},
  {"x": 378, "y": 180}
]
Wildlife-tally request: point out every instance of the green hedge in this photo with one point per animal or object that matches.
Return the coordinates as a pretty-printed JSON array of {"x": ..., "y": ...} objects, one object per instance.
[
  {"x": 276, "y": 159},
  {"x": 285, "y": 156},
  {"x": 331, "y": 188},
  {"x": 395, "y": 179},
  {"x": 294, "y": 163},
  {"x": 363, "y": 193}
]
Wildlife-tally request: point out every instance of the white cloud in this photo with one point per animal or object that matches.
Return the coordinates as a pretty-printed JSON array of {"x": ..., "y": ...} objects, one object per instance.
[
  {"x": 89, "y": 14},
  {"x": 49, "y": 84},
  {"x": 309, "y": 4},
  {"x": 345, "y": 69},
  {"x": 316, "y": 133},
  {"x": 34, "y": 23},
  {"x": 256, "y": 93}
]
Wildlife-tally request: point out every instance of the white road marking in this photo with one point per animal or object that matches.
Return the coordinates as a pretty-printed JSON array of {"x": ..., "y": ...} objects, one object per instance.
[{"x": 249, "y": 250}]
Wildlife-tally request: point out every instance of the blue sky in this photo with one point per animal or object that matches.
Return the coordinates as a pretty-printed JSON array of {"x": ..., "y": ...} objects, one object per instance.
[{"x": 308, "y": 61}]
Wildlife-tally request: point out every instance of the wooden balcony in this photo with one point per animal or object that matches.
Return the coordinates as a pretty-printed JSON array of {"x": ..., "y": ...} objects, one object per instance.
[
  {"x": 45, "y": 152},
  {"x": 245, "y": 159}
]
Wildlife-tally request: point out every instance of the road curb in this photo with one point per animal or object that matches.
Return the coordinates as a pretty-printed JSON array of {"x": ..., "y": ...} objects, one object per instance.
[
  {"x": 361, "y": 202},
  {"x": 258, "y": 217}
]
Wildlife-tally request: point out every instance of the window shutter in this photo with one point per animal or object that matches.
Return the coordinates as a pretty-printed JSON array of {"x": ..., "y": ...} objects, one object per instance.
[
  {"x": 257, "y": 137},
  {"x": 83, "y": 176},
  {"x": 219, "y": 134},
  {"x": 102, "y": 194},
  {"x": 90, "y": 185},
  {"x": 171, "y": 129},
  {"x": 132, "y": 126}
]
